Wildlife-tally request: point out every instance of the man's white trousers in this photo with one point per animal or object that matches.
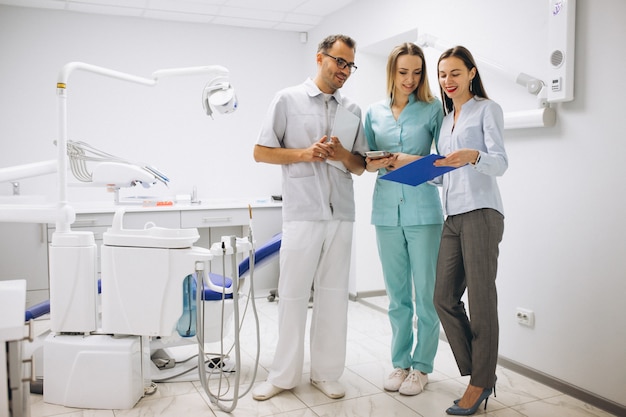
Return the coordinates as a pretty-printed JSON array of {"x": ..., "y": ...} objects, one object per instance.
[{"x": 312, "y": 253}]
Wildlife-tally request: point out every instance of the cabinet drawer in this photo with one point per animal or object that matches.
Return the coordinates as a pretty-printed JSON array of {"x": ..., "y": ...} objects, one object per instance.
[
  {"x": 93, "y": 219},
  {"x": 100, "y": 222},
  {"x": 214, "y": 218},
  {"x": 138, "y": 220}
]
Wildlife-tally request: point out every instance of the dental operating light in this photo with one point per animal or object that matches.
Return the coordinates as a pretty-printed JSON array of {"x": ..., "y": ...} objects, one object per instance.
[{"x": 218, "y": 94}]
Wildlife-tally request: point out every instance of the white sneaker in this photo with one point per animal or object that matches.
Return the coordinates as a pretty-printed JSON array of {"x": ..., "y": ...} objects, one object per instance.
[
  {"x": 395, "y": 379},
  {"x": 332, "y": 389},
  {"x": 414, "y": 383},
  {"x": 265, "y": 391}
]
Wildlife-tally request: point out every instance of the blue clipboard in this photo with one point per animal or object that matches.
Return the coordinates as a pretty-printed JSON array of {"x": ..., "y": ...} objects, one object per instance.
[{"x": 417, "y": 172}]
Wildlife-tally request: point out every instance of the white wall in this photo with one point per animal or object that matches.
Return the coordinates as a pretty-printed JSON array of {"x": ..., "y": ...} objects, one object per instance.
[{"x": 563, "y": 253}]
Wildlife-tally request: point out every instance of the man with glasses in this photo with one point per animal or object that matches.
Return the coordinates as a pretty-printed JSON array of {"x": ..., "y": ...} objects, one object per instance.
[{"x": 318, "y": 218}]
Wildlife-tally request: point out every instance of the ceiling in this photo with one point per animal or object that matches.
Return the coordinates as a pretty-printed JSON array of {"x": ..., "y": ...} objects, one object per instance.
[{"x": 287, "y": 15}]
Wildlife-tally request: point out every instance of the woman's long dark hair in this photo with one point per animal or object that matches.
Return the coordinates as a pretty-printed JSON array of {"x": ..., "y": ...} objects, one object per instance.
[{"x": 476, "y": 85}]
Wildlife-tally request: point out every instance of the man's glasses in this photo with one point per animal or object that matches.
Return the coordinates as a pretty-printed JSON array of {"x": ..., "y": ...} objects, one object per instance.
[{"x": 342, "y": 63}]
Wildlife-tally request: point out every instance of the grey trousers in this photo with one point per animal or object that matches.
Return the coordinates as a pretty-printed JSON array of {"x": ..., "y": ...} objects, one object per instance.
[{"x": 468, "y": 259}]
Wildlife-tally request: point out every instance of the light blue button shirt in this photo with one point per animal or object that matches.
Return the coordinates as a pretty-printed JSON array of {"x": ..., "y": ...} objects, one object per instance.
[
  {"x": 415, "y": 132},
  {"x": 298, "y": 117},
  {"x": 480, "y": 126}
]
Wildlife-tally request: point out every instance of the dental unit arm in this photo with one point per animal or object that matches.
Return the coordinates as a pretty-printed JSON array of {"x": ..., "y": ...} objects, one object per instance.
[
  {"x": 110, "y": 171},
  {"x": 217, "y": 94}
]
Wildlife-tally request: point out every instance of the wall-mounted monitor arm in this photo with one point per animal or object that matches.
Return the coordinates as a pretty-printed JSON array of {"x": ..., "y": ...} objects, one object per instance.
[
  {"x": 544, "y": 116},
  {"x": 532, "y": 84}
]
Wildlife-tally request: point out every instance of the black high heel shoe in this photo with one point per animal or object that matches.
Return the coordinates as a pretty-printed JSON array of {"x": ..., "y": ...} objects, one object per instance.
[{"x": 455, "y": 410}]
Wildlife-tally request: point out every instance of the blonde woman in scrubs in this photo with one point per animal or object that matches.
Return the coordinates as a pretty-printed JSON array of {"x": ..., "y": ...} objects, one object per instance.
[{"x": 408, "y": 219}]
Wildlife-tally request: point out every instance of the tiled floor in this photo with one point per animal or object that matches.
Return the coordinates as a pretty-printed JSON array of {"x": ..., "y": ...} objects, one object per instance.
[{"x": 367, "y": 364}]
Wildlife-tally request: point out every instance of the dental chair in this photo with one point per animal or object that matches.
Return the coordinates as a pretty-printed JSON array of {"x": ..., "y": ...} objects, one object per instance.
[{"x": 216, "y": 289}]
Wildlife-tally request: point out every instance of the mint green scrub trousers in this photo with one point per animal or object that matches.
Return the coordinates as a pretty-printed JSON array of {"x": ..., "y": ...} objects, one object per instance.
[{"x": 409, "y": 260}]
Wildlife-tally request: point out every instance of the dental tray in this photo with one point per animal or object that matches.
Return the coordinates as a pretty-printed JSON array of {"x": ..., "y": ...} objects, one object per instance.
[{"x": 150, "y": 236}]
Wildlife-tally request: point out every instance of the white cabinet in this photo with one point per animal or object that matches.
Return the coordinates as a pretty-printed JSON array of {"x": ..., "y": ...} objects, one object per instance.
[
  {"x": 24, "y": 255},
  {"x": 266, "y": 222},
  {"x": 14, "y": 392}
]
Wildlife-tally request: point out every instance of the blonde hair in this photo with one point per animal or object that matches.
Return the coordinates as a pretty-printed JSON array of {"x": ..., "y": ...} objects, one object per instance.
[{"x": 422, "y": 92}]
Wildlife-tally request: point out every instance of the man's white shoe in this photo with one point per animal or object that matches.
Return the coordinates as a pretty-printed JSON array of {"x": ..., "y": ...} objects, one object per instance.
[
  {"x": 414, "y": 383},
  {"x": 395, "y": 379},
  {"x": 332, "y": 389},
  {"x": 265, "y": 391}
]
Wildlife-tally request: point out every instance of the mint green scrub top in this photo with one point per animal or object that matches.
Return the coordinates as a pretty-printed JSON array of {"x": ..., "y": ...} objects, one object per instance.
[{"x": 415, "y": 132}]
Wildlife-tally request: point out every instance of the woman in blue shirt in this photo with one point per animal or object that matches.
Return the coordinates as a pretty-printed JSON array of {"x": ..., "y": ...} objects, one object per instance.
[
  {"x": 408, "y": 219},
  {"x": 471, "y": 138}
]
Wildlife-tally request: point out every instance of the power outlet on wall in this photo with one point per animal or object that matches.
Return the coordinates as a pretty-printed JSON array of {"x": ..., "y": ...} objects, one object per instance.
[{"x": 525, "y": 317}]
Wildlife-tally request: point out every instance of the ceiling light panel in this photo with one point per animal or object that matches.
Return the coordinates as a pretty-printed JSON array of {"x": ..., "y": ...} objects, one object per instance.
[{"x": 184, "y": 6}]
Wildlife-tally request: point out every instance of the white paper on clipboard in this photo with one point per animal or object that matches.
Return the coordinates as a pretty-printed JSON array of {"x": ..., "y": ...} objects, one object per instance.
[{"x": 345, "y": 128}]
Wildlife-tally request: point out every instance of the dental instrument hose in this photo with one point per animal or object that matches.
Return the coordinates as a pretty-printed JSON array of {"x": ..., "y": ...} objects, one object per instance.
[
  {"x": 218, "y": 398},
  {"x": 252, "y": 299},
  {"x": 238, "y": 324}
]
